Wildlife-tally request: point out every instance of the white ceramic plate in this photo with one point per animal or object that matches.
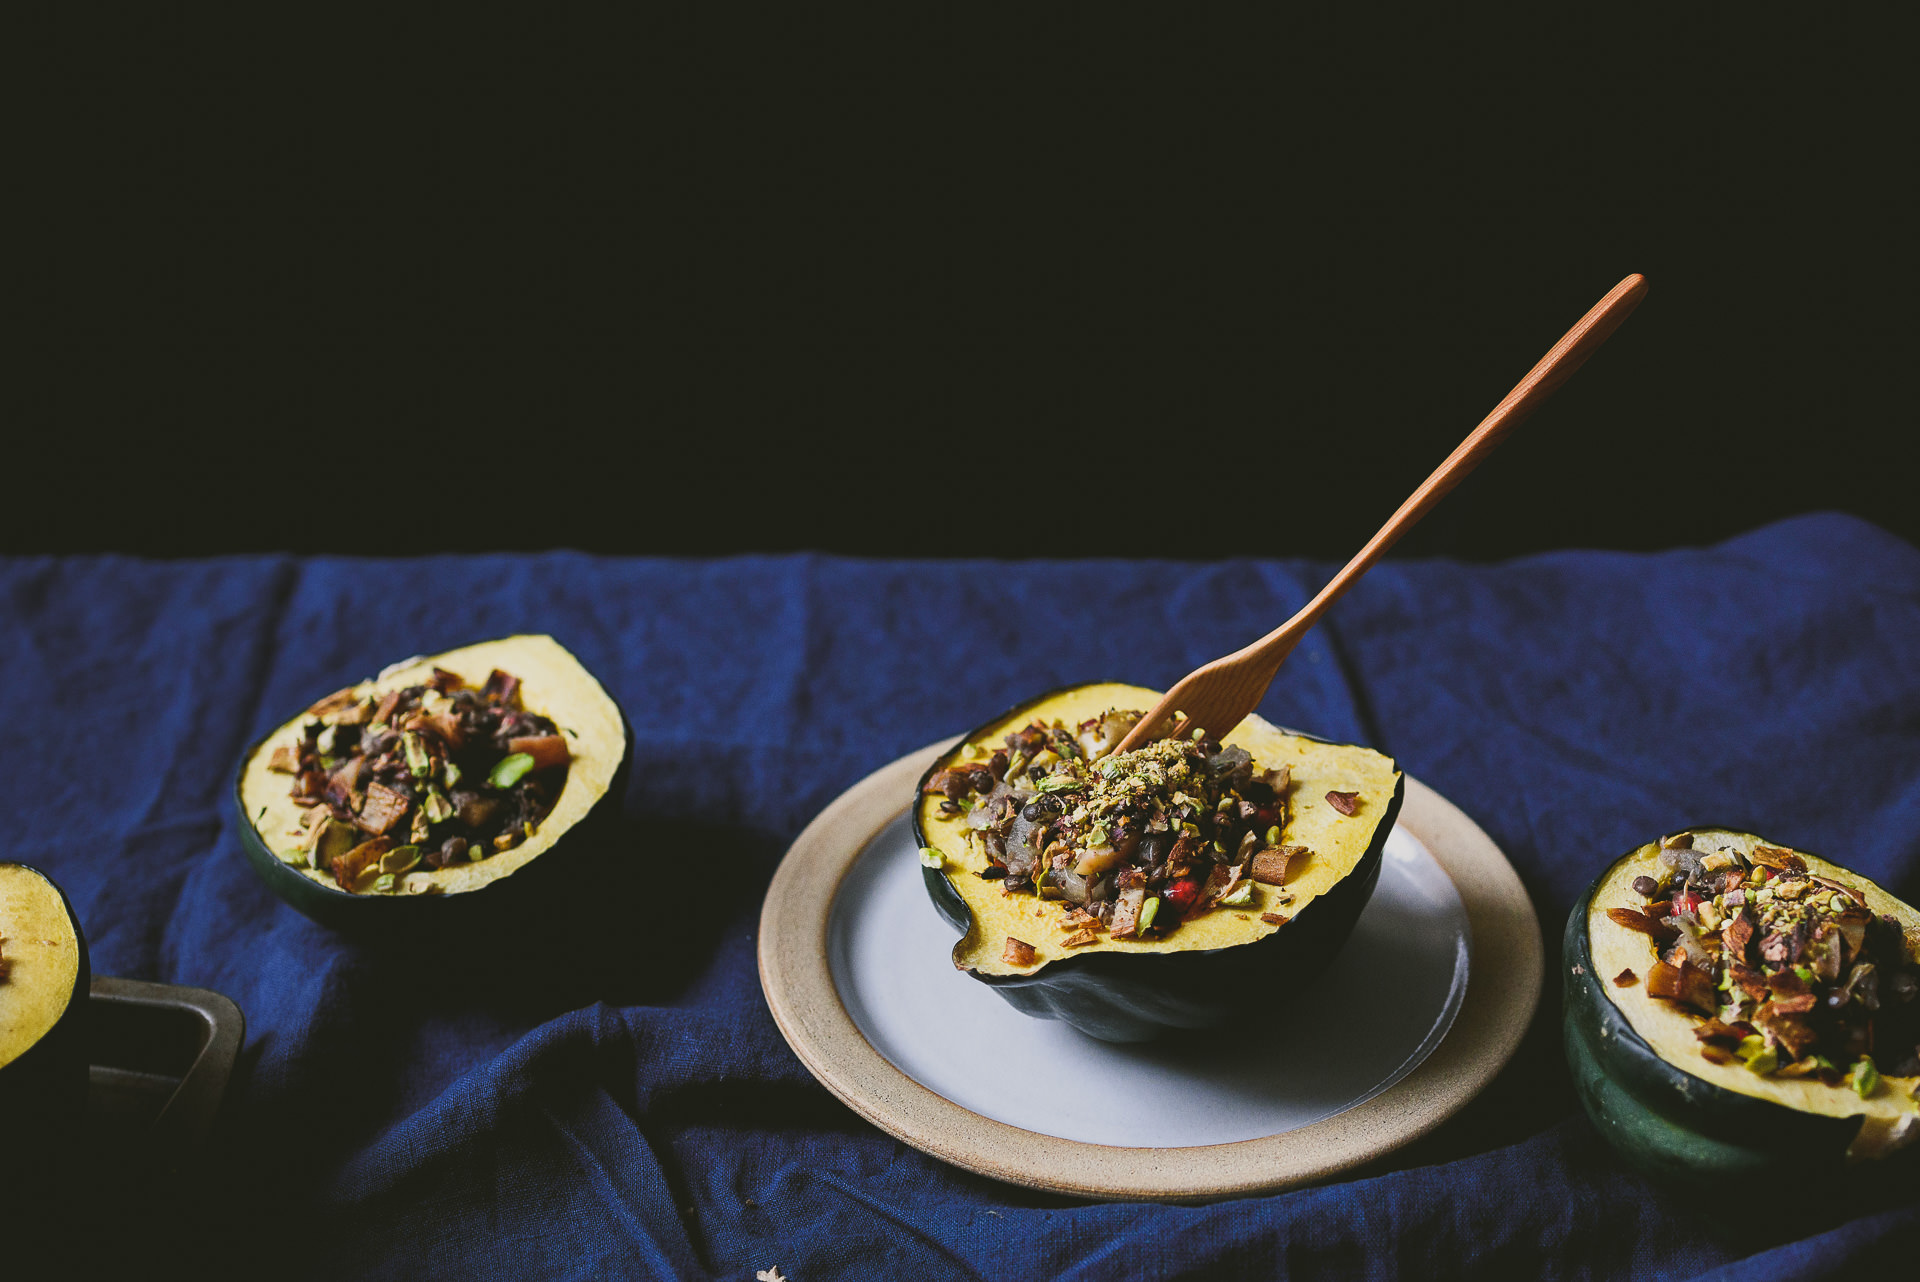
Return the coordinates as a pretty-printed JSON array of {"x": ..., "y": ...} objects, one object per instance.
[
  {"x": 1400, "y": 1033},
  {"x": 1389, "y": 998}
]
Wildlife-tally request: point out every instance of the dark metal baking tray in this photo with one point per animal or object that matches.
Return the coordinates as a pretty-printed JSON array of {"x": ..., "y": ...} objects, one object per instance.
[{"x": 159, "y": 1061}]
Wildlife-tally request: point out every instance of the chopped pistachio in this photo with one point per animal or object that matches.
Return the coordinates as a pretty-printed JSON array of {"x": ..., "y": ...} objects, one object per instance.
[
  {"x": 383, "y": 884},
  {"x": 328, "y": 737},
  {"x": 400, "y": 859},
  {"x": 1863, "y": 1076},
  {"x": 1765, "y": 1062},
  {"x": 1838, "y": 902},
  {"x": 436, "y": 807},
  {"x": 932, "y": 858},
  {"x": 377, "y": 728},
  {"x": 1199, "y": 733},
  {"x": 1097, "y": 835},
  {"x": 418, "y": 762},
  {"x": 1750, "y": 1046},
  {"x": 1764, "y": 895},
  {"x": 1273, "y": 835},
  {"x": 1017, "y": 765},
  {"x": 1052, "y": 783},
  {"x": 475, "y": 854},
  {"x": 450, "y": 774},
  {"x": 510, "y": 770},
  {"x": 1241, "y": 896},
  {"x": 1805, "y": 973},
  {"x": 419, "y": 830},
  {"x": 1148, "y": 912}
]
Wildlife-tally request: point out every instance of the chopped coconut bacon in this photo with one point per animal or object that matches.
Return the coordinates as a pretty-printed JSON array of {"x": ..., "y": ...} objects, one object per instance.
[
  {"x": 433, "y": 774},
  {"x": 1791, "y": 973},
  {"x": 1135, "y": 842}
]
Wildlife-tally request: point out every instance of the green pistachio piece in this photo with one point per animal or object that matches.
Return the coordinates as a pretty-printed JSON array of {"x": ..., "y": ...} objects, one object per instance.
[
  {"x": 1097, "y": 835},
  {"x": 1241, "y": 896},
  {"x": 1273, "y": 835},
  {"x": 436, "y": 807},
  {"x": 1148, "y": 912},
  {"x": 475, "y": 854},
  {"x": 932, "y": 858},
  {"x": 1863, "y": 1077},
  {"x": 400, "y": 859},
  {"x": 1805, "y": 973},
  {"x": 418, "y": 762},
  {"x": 1765, "y": 1062},
  {"x": 383, "y": 884},
  {"x": 327, "y": 738},
  {"x": 510, "y": 771},
  {"x": 1052, "y": 783},
  {"x": 450, "y": 775}
]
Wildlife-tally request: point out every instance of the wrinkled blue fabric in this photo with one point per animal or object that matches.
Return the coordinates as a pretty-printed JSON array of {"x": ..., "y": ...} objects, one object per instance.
[{"x": 609, "y": 1097}]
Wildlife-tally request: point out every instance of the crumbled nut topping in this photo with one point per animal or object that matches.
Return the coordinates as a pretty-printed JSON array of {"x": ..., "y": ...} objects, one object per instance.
[
  {"x": 1793, "y": 975},
  {"x": 1134, "y": 843},
  {"x": 443, "y": 773}
]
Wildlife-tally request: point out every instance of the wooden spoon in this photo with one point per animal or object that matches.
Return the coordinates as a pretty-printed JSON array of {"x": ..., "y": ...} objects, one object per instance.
[{"x": 1217, "y": 696}]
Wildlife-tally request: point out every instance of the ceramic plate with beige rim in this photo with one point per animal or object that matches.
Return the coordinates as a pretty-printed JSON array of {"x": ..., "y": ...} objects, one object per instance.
[{"x": 1426, "y": 1002}]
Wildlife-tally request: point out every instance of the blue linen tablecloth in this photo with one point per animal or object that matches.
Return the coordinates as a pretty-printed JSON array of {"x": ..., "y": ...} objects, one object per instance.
[{"x": 608, "y": 1096}]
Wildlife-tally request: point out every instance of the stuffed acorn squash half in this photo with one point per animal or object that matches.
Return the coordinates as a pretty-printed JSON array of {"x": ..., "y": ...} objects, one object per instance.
[
  {"x": 1175, "y": 887},
  {"x": 442, "y": 786},
  {"x": 44, "y": 982},
  {"x": 1734, "y": 1007}
]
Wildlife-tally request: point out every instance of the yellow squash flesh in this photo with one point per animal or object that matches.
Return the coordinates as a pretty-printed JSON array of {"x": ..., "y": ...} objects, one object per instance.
[
  {"x": 1668, "y": 1027},
  {"x": 45, "y": 960},
  {"x": 552, "y": 683},
  {"x": 1338, "y": 842}
]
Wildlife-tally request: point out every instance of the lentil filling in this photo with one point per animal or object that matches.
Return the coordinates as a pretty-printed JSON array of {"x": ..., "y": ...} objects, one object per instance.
[
  {"x": 434, "y": 775},
  {"x": 1133, "y": 842},
  {"x": 1790, "y": 973}
]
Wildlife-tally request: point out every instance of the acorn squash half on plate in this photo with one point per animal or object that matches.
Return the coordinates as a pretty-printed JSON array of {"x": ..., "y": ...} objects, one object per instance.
[
  {"x": 1218, "y": 963},
  {"x": 44, "y": 981},
  {"x": 1682, "y": 1108},
  {"x": 318, "y": 857}
]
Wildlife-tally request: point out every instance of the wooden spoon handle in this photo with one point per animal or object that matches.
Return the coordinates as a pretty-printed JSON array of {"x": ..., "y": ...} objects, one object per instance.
[
  {"x": 1217, "y": 695},
  {"x": 1553, "y": 369}
]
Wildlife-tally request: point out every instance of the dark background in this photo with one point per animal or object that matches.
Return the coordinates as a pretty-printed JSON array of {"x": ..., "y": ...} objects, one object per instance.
[{"x": 1075, "y": 282}]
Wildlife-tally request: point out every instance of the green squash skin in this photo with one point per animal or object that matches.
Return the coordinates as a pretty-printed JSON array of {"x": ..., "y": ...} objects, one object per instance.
[
  {"x": 1137, "y": 997},
  {"x": 549, "y": 877},
  {"x": 43, "y": 1093},
  {"x": 1669, "y": 1124}
]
